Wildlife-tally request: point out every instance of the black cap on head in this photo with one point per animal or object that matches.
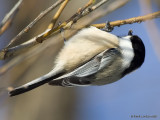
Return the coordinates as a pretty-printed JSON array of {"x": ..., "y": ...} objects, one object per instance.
[{"x": 139, "y": 54}]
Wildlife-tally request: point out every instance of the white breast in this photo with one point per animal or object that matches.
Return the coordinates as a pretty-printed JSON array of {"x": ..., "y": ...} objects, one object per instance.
[{"x": 83, "y": 46}]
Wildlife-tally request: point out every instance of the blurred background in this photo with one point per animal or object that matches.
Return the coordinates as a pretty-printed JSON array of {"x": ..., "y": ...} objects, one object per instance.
[{"x": 136, "y": 94}]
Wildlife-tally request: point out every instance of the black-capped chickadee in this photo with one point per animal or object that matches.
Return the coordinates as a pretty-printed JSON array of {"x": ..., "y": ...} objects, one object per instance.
[{"x": 92, "y": 57}]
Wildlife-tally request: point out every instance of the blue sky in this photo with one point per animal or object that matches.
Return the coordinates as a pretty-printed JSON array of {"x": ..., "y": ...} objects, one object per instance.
[{"x": 137, "y": 93}]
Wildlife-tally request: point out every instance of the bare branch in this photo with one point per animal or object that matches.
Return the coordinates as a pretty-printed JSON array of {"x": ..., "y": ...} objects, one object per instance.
[
  {"x": 80, "y": 10},
  {"x": 90, "y": 2},
  {"x": 6, "y": 22},
  {"x": 91, "y": 9},
  {"x": 50, "y": 27},
  {"x": 69, "y": 32},
  {"x": 39, "y": 17},
  {"x": 8, "y": 52},
  {"x": 138, "y": 19},
  {"x": 69, "y": 23},
  {"x": 58, "y": 13}
]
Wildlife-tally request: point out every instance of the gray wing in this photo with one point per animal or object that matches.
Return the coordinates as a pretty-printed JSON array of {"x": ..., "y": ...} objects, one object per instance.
[{"x": 79, "y": 77}]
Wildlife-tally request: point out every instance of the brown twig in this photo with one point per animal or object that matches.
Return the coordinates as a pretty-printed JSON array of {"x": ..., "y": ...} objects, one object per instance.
[
  {"x": 68, "y": 23},
  {"x": 90, "y": 2},
  {"x": 80, "y": 24},
  {"x": 50, "y": 27},
  {"x": 80, "y": 10},
  {"x": 6, "y": 22},
  {"x": 39, "y": 17},
  {"x": 138, "y": 19},
  {"x": 8, "y": 52},
  {"x": 85, "y": 11},
  {"x": 58, "y": 13}
]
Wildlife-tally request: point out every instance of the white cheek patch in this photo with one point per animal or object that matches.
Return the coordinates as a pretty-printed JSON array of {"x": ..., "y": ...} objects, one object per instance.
[{"x": 127, "y": 51}]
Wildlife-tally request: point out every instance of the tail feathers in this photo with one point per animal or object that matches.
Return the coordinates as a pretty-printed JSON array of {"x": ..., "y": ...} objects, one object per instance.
[{"x": 33, "y": 84}]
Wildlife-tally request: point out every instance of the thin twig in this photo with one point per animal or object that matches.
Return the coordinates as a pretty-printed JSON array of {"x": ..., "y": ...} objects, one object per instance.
[
  {"x": 138, "y": 19},
  {"x": 6, "y": 22},
  {"x": 58, "y": 13},
  {"x": 89, "y": 9},
  {"x": 80, "y": 10},
  {"x": 80, "y": 24},
  {"x": 66, "y": 25},
  {"x": 50, "y": 27},
  {"x": 38, "y": 18},
  {"x": 90, "y": 2},
  {"x": 95, "y": 7},
  {"x": 8, "y": 52}
]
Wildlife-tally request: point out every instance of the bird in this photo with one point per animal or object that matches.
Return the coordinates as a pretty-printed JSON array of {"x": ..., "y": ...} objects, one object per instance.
[{"x": 91, "y": 57}]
